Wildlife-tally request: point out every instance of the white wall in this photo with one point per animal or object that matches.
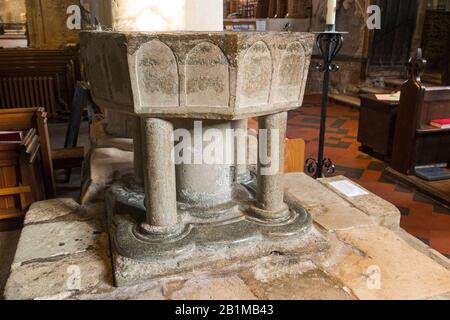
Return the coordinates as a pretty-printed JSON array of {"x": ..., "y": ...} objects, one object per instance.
[{"x": 167, "y": 15}]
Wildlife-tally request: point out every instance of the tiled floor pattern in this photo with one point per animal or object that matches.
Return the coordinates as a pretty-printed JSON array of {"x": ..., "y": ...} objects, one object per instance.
[{"x": 421, "y": 216}]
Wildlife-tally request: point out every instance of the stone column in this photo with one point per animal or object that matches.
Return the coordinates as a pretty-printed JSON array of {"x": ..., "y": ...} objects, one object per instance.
[
  {"x": 270, "y": 191},
  {"x": 159, "y": 175},
  {"x": 138, "y": 151},
  {"x": 241, "y": 127},
  {"x": 205, "y": 183}
]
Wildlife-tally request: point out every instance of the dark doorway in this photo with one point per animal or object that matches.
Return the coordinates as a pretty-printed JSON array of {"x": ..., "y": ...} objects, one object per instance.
[{"x": 391, "y": 45}]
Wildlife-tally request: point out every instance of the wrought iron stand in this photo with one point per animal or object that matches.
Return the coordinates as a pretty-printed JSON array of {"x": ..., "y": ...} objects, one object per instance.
[{"x": 329, "y": 44}]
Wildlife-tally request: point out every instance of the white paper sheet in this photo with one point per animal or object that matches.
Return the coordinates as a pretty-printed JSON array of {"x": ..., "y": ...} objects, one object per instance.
[{"x": 348, "y": 189}]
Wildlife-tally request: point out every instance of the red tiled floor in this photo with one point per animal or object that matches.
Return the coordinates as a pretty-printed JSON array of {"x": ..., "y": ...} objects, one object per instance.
[{"x": 421, "y": 216}]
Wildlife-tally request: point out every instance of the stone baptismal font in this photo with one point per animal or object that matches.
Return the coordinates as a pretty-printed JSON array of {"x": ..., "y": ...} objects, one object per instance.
[{"x": 185, "y": 83}]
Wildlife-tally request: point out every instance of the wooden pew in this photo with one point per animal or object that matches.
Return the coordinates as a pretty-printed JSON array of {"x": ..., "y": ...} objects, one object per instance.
[
  {"x": 25, "y": 167},
  {"x": 416, "y": 142},
  {"x": 26, "y": 119},
  {"x": 39, "y": 78}
]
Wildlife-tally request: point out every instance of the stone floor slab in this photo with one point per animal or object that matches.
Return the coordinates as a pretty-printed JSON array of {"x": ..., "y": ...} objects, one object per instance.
[
  {"x": 50, "y": 240},
  {"x": 340, "y": 217},
  {"x": 311, "y": 285},
  {"x": 213, "y": 288},
  {"x": 52, "y": 209},
  {"x": 61, "y": 279},
  {"x": 383, "y": 266}
]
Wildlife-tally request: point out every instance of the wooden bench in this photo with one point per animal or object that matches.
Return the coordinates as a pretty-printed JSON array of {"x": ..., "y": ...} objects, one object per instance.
[
  {"x": 33, "y": 120},
  {"x": 416, "y": 142},
  {"x": 25, "y": 167}
]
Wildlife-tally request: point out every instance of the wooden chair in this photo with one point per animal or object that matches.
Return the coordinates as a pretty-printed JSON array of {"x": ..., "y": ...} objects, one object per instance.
[
  {"x": 295, "y": 156},
  {"x": 416, "y": 143},
  {"x": 72, "y": 156}
]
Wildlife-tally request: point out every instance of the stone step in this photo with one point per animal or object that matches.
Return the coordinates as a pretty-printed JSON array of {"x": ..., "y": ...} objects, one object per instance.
[
  {"x": 351, "y": 101},
  {"x": 364, "y": 260}
]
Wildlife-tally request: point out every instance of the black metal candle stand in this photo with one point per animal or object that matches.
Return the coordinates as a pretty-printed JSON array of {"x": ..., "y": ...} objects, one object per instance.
[{"x": 329, "y": 43}]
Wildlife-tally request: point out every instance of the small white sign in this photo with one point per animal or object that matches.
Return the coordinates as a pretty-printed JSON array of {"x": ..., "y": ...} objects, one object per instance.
[{"x": 348, "y": 189}]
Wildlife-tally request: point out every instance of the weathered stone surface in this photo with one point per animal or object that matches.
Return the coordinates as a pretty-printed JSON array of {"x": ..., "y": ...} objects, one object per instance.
[
  {"x": 280, "y": 277},
  {"x": 207, "y": 77},
  {"x": 105, "y": 162},
  {"x": 422, "y": 247},
  {"x": 289, "y": 78},
  {"x": 51, "y": 240},
  {"x": 52, "y": 209},
  {"x": 212, "y": 75},
  {"x": 339, "y": 273},
  {"x": 340, "y": 217},
  {"x": 60, "y": 279},
  {"x": 119, "y": 124},
  {"x": 156, "y": 74},
  {"x": 102, "y": 165},
  {"x": 108, "y": 141},
  {"x": 99, "y": 138},
  {"x": 311, "y": 285},
  {"x": 152, "y": 294},
  {"x": 445, "y": 297},
  {"x": 380, "y": 254},
  {"x": 208, "y": 247},
  {"x": 379, "y": 210},
  {"x": 255, "y": 76},
  {"x": 208, "y": 288},
  {"x": 302, "y": 190}
]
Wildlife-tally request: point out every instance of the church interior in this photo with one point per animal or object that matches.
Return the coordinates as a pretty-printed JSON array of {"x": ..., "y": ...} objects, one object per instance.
[{"x": 352, "y": 97}]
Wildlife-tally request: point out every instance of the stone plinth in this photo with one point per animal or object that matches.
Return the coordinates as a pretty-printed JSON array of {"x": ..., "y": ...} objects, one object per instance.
[{"x": 408, "y": 268}]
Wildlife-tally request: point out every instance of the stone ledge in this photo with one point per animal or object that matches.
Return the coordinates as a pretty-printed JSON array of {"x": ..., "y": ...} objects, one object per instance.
[
  {"x": 379, "y": 210},
  {"x": 408, "y": 271},
  {"x": 313, "y": 194},
  {"x": 302, "y": 190},
  {"x": 73, "y": 274},
  {"x": 49, "y": 210},
  {"x": 422, "y": 247},
  {"x": 50, "y": 241},
  {"x": 380, "y": 256}
]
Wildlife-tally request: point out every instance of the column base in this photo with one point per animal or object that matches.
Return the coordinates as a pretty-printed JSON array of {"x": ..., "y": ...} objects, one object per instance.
[
  {"x": 141, "y": 254},
  {"x": 281, "y": 215}
]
